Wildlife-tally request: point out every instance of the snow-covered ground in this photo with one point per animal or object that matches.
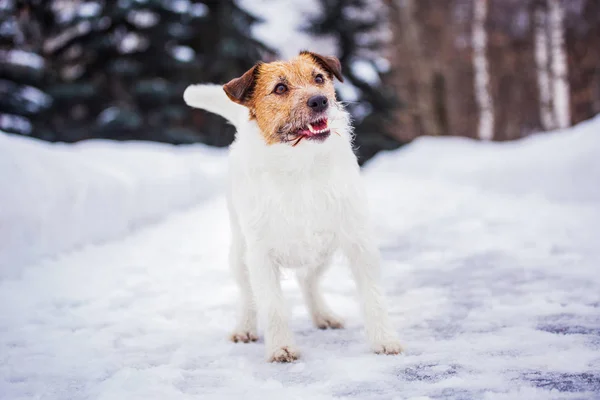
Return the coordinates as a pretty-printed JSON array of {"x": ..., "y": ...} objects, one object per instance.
[
  {"x": 491, "y": 264},
  {"x": 55, "y": 197}
]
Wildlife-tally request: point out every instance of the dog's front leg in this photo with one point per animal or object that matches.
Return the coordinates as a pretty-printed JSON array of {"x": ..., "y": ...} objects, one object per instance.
[
  {"x": 265, "y": 279},
  {"x": 363, "y": 257}
]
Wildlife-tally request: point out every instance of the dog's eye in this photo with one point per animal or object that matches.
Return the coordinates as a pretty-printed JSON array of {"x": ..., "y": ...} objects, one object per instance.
[
  {"x": 319, "y": 79},
  {"x": 280, "y": 88}
]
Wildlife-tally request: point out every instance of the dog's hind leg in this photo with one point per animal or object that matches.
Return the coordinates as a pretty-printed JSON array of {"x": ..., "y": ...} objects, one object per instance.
[
  {"x": 246, "y": 328},
  {"x": 363, "y": 258},
  {"x": 320, "y": 313}
]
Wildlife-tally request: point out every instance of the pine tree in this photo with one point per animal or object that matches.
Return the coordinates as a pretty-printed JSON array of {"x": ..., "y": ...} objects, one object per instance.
[
  {"x": 24, "y": 105},
  {"x": 354, "y": 25},
  {"x": 119, "y": 68}
]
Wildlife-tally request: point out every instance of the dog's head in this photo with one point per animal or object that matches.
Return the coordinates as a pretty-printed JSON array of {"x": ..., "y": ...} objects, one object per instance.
[{"x": 290, "y": 100}]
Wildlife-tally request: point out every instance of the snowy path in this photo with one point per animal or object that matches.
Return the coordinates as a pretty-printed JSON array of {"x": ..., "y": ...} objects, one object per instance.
[
  {"x": 491, "y": 265},
  {"x": 482, "y": 302}
]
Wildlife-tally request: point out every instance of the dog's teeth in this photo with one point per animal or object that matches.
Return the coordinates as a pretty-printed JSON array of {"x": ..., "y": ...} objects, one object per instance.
[{"x": 311, "y": 129}]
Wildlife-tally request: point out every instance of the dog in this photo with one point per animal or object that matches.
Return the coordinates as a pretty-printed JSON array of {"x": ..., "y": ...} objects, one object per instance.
[{"x": 295, "y": 197}]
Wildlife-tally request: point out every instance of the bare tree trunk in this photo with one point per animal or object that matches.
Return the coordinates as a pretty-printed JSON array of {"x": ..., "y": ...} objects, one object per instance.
[
  {"x": 421, "y": 68},
  {"x": 560, "y": 83},
  {"x": 481, "y": 68},
  {"x": 542, "y": 61}
]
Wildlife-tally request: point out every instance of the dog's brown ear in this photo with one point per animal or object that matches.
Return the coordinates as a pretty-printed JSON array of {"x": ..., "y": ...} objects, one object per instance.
[
  {"x": 240, "y": 89},
  {"x": 330, "y": 63}
]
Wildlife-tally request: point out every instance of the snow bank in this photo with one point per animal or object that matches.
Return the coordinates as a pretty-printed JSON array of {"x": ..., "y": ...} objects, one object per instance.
[
  {"x": 54, "y": 197},
  {"x": 562, "y": 165}
]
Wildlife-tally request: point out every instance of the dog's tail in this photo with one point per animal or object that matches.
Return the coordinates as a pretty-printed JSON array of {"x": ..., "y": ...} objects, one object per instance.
[{"x": 212, "y": 98}]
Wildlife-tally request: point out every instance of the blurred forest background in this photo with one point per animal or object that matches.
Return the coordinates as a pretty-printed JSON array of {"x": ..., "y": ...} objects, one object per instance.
[{"x": 488, "y": 69}]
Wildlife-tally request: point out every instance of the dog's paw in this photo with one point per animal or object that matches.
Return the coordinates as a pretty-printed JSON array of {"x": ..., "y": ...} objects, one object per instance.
[
  {"x": 284, "y": 354},
  {"x": 243, "y": 337},
  {"x": 328, "y": 321},
  {"x": 390, "y": 346}
]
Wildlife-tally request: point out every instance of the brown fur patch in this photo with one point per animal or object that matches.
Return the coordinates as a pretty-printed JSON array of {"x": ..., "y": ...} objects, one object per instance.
[
  {"x": 329, "y": 63},
  {"x": 279, "y": 116}
]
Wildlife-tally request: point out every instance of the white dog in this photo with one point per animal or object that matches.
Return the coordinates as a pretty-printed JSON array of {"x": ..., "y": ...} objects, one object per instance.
[{"x": 295, "y": 197}]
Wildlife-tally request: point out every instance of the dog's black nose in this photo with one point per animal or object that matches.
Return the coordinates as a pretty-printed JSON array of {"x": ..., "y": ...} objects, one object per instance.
[{"x": 318, "y": 103}]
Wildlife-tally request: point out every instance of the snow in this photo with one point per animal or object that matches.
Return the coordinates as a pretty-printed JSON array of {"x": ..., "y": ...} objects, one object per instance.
[
  {"x": 179, "y": 6},
  {"x": 64, "y": 10},
  {"x": 57, "y": 197},
  {"x": 143, "y": 18},
  {"x": 22, "y": 58},
  {"x": 8, "y": 28},
  {"x": 347, "y": 91},
  {"x": 15, "y": 123},
  {"x": 559, "y": 166},
  {"x": 132, "y": 42},
  {"x": 365, "y": 71},
  {"x": 490, "y": 263},
  {"x": 36, "y": 98},
  {"x": 6, "y": 5},
  {"x": 89, "y": 9},
  {"x": 183, "y": 53},
  {"x": 108, "y": 115},
  {"x": 67, "y": 10},
  {"x": 198, "y": 10},
  {"x": 283, "y": 25},
  {"x": 383, "y": 65}
]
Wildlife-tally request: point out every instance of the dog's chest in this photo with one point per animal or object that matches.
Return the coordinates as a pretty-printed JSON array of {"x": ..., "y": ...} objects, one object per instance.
[{"x": 297, "y": 217}]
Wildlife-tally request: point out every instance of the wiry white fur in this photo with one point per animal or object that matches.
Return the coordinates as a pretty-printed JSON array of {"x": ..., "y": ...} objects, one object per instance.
[{"x": 293, "y": 207}]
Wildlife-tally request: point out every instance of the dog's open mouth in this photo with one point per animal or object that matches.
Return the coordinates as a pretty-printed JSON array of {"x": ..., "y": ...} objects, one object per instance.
[{"x": 317, "y": 130}]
